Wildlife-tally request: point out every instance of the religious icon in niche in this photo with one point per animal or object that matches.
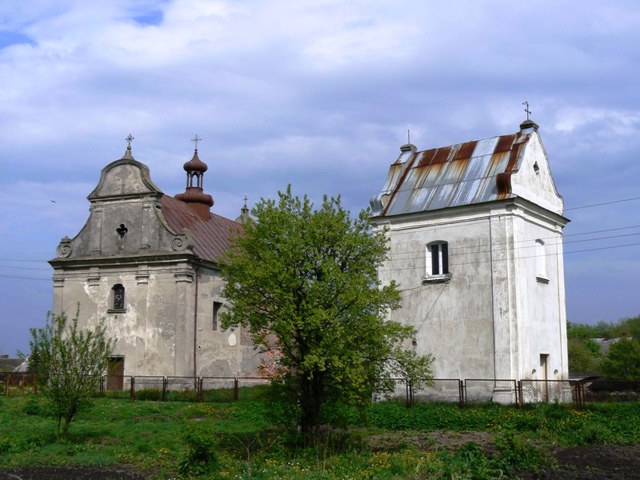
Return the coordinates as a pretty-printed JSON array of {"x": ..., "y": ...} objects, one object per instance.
[
  {"x": 122, "y": 230},
  {"x": 118, "y": 297}
]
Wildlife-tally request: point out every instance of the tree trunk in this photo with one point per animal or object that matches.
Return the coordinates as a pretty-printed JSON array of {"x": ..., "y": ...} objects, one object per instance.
[{"x": 311, "y": 398}]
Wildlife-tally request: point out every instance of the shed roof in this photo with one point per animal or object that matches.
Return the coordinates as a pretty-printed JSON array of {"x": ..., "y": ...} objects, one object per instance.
[
  {"x": 211, "y": 235},
  {"x": 466, "y": 173}
]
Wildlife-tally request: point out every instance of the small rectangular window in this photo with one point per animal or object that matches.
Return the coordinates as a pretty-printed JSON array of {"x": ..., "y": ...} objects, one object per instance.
[
  {"x": 437, "y": 262},
  {"x": 444, "y": 252},
  {"x": 216, "y": 309},
  {"x": 435, "y": 259}
]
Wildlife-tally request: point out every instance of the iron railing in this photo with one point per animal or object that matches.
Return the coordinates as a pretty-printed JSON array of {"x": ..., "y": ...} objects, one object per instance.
[{"x": 463, "y": 392}]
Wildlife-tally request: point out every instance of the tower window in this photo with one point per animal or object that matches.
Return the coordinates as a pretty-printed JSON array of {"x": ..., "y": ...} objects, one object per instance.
[
  {"x": 541, "y": 262},
  {"x": 437, "y": 262}
]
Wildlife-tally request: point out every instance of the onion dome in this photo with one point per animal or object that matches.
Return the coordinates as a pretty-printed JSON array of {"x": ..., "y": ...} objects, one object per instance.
[
  {"x": 194, "y": 196},
  {"x": 195, "y": 164}
]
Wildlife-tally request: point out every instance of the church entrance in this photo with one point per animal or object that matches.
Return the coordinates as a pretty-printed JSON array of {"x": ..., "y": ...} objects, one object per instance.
[{"x": 115, "y": 374}]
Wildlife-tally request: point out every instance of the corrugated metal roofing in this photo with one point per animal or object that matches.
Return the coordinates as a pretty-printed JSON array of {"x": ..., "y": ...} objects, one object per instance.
[
  {"x": 462, "y": 174},
  {"x": 211, "y": 236}
]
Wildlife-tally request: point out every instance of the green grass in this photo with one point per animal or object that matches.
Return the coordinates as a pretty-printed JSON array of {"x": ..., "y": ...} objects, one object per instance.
[{"x": 239, "y": 439}]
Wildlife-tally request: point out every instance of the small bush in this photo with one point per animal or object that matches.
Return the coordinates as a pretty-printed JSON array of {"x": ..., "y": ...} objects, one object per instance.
[
  {"x": 201, "y": 457},
  {"x": 469, "y": 461},
  {"x": 37, "y": 406},
  {"x": 513, "y": 453},
  {"x": 149, "y": 394}
]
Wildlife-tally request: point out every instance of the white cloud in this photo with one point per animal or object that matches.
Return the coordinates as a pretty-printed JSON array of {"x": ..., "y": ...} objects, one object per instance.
[{"x": 317, "y": 93}]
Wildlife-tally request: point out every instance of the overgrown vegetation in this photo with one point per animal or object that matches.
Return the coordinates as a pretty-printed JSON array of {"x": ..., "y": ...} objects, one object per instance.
[
  {"x": 69, "y": 363},
  {"x": 611, "y": 349},
  {"x": 240, "y": 440},
  {"x": 304, "y": 282}
]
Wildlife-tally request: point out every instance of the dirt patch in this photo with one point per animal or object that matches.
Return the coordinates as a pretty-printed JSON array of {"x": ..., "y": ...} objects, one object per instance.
[
  {"x": 429, "y": 441},
  {"x": 71, "y": 473},
  {"x": 594, "y": 462}
]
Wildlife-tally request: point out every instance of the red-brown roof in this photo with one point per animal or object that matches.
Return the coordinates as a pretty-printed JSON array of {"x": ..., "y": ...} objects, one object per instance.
[
  {"x": 462, "y": 174},
  {"x": 211, "y": 236}
]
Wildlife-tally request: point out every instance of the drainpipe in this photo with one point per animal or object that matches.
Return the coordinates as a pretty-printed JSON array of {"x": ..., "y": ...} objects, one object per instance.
[
  {"x": 493, "y": 292},
  {"x": 195, "y": 327}
]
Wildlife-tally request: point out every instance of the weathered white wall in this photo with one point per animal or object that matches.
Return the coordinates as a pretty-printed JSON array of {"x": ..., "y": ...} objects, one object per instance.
[
  {"x": 166, "y": 326},
  {"x": 497, "y": 313}
]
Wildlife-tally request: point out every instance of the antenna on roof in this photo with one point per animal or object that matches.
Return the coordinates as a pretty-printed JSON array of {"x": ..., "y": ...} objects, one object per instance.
[{"x": 526, "y": 108}]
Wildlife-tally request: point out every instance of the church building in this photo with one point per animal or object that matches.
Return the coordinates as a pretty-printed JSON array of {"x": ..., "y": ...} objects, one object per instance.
[
  {"x": 475, "y": 233},
  {"x": 147, "y": 264}
]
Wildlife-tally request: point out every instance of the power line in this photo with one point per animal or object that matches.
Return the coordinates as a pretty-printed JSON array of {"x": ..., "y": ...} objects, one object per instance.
[
  {"x": 603, "y": 203},
  {"x": 515, "y": 258},
  {"x": 480, "y": 247}
]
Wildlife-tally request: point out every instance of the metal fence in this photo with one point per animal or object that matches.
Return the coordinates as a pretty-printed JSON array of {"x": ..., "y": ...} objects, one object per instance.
[
  {"x": 463, "y": 392},
  {"x": 18, "y": 383},
  {"x": 190, "y": 389},
  {"x": 520, "y": 392}
]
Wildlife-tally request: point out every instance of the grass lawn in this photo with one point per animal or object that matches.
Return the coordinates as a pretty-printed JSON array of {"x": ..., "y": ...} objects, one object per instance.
[{"x": 240, "y": 440}]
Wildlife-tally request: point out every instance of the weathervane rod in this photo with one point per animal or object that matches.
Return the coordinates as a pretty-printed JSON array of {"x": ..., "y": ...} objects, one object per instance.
[{"x": 526, "y": 108}]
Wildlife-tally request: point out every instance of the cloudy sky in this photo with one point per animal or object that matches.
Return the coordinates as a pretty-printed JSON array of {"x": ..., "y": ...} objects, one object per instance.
[{"x": 319, "y": 94}]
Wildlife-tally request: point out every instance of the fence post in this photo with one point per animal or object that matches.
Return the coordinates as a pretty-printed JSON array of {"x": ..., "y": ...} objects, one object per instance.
[
  {"x": 406, "y": 393},
  {"x": 579, "y": 394},
  {"x": 461, "y": 399},
  {"x": 133, "y": 388},
  {"x": 200, "y": 390},
  {"x": 519, "y": 395},
  {"x": 236, "y": 393},
  {"x": 165, "y": 383}
]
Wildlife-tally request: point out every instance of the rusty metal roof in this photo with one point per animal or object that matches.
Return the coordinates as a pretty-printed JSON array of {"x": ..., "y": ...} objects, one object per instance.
[
  {"x": 211, "y": 236},
  {"x": 462, "y": 174}
]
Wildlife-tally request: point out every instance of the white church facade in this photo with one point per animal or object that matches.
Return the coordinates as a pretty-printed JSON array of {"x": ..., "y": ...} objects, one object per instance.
[
  {"x": 475, "y": 233},
  {"x": 147, "y": 264}
]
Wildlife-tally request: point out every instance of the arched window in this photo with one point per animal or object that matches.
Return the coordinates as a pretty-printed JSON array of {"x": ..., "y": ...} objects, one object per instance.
[
  {"x": 437, "y": 261},
  {"x": 117, "y": 297},
  {"x": 216, "y": 312}
]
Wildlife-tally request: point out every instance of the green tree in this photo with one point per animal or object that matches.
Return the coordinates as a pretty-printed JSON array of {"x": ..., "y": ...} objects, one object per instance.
[
  {"x": 69, "y": 363},
  {"x": 584, "y": 357},
  {"x": 581, "y": 331},
  {"x": 623, "y": 360},
  {"x": 304, "y": 282}
]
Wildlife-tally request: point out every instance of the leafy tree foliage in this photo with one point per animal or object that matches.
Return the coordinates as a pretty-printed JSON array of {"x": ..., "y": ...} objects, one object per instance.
[
  {"x": 69, "y": 363},
  {"x": 581, "y": 331},
  {"x": 623, "y": 360},
  {"x": 304, "y": 282},
  {"x": 584, "y": 357}
]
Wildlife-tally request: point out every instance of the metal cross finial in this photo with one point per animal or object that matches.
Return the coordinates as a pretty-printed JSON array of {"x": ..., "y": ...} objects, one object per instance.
[
  {"x": 196, "y": 139},
  {"x": 526, "y": 108},
  {"x": 245, "y": 200},
  {"x": 130, "y": 138}
]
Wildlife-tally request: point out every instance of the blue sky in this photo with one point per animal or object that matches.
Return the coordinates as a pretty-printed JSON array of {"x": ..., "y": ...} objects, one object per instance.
[{"x": 319, "y": 94}]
